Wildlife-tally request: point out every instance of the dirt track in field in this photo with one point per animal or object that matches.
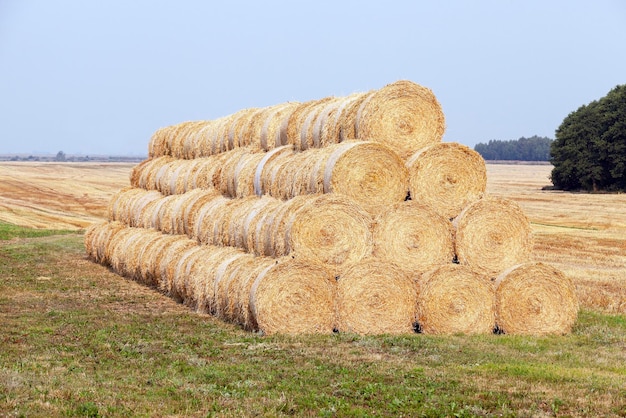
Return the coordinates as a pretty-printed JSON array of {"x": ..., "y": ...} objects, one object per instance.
[{"x": 582, "y": 234}]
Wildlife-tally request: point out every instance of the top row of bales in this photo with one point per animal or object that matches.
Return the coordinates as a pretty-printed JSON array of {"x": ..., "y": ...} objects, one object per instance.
[{"x": 403, "y": 115}]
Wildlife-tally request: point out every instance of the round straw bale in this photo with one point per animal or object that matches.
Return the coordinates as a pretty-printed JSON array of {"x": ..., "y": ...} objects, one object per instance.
[
  {"x": 226, "y": 273},
  {"x": 138, "y": 170},
  {"x": 234, "y": 231},
  {"x": 140, "y": 205},
  {"x": 163, "y": 216},
  {"x": 376, "y": 297},
  {"x": 132, "y": 247},
  {"x": 347, "y": 118},
  {"x": 144, "y": 174},
  {"x": 189, "y": 173},
  {"x": 448, "y": 176},
  {"x": 274, "y": 240},
  {"x": 331, "y": 229},
  {"x": 414, "y": 236},
  {"x": 186, "y": 130},
  {"x": 321, "y": 118},
  {"x": 493, "y": 234},
  {"x": 180, "y": 292},
  {"x": 118, "y": 204},
  {"x": 293, "y": 297},
  {"x": 290, "y": 133},
  {"x": 152, "y": 253},
  {"x": 157, "y": 146},
  {"x": 190, "y": 143},
  {"x": 167, "y": 258},
  {"x": 241, "y": 279},
  {"x": 369, "y": 172},
  {"x": 307, "y": 122},
  {"x": 330, "y": 129},
  {"x": 264, "y": 166},
  {"x": 89, "y": 238},
  {"x": 104, "y": 238},
  {"x": 225, "y": 181},
  {"x": 170, "y": 262},
  {"x": 269, "y": 123},
  {"x": 206, "y": 222},
  {"x": 403, "y": 115},
  {"x": 118, "y": 248},
  {"x": 201, "y": 280},
  {"x": 245, "y": 174},
  {"x": 453, "y": 299},
  {"x": 535, "y": 299},
  {"x": 137, "y": 258},
  {"x": 237, "y": 135},
  {"x": 256, "y": 223}
]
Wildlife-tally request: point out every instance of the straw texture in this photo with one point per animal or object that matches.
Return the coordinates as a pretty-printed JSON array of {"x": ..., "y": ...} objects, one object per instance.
[
  {"x": 535, "y": 299},
  {"x": 376, "y": 297},
  {"x": 447, "y": 176},
  {"x": 294, "y": 297},
  {"x": 492, "y": 235},
  {"x": 452, "y": 299},
  {"x": 414, "y": 236}
]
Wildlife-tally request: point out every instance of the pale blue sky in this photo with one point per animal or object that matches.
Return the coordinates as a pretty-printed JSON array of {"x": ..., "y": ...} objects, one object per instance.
[{"x": 99, "y": 77}]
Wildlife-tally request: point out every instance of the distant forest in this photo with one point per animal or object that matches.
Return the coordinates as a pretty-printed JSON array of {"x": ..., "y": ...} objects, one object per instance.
[{"x": 534, "y": 148}]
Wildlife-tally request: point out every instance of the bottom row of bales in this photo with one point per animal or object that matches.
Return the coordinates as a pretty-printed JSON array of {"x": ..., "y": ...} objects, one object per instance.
[{"x": 294, "y": 295}]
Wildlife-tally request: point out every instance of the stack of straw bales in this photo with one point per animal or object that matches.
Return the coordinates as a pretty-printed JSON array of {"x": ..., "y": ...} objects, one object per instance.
[{"x": 342, "y": 214}]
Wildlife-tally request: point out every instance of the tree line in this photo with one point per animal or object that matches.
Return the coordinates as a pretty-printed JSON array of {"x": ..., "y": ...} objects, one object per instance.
[{"x": 534, "y": 148}]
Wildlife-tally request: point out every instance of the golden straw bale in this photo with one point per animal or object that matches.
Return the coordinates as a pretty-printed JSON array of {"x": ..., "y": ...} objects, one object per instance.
[
  {"x": 376, "y": 297},
  {"x": 414, "y": 236},
  {"x": 223, "y": 291},
  {"x": 137, "y": 257},
  {"x": 226, "y": 177},
  {"x": 188, "y": 176},
  {"x": 197, "y": 198},
  {"x": 265, "y": 165},
  {"x": 347, "y": 118},
  {"x": 118, "y": 204},
  {"x": 181, "y": 290},
  {"x": 201, "y": 280},
  {"x": 269, "y": 133},
  {"x": 307, "y": 122},
  {"x": 290, "y": 131},
  {"x": 237, "y": 131},
  {"x": 104, "y": 251},
  {"x": 256, "y": 223},
  {"x": 186, "y": 130},
  {"x": 143, "y": 175},
  {"x": 138, "y": 170},
  {"x": 157, "y": 146},
  {"x": 243, "y": 183},
  {"x": 332, "y": 229},
  {"x": 274, "y": 233},
  {"x": 493, "y": 234},
  {"x": 163, "y": 217},
  {"x": 403, "y": 115},
  {"x": 447, "y": 176},
  {"x": 453, "y": 299},
  {"x": 330, "y": 129},
  {"x": 140, "y": 205},
  {"x": 535, "y": 299},
  {"x": 208, "y": 218},
  {"x": 168, "y": 261},
  {"x": 293, "y": 297},
  {"x": 118, "y": 247},
  {"x": 190, "y": 144},
  {"x": 89, "y": 239},
  {"x": 240, "y": 209},
  {"x": 321, "y": 117},
  {"x": 371, "y": 173},
  {"x": 241, "y": 279}
]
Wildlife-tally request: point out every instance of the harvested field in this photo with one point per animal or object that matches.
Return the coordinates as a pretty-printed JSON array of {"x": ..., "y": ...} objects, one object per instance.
[{"x": 584, "y": 235}]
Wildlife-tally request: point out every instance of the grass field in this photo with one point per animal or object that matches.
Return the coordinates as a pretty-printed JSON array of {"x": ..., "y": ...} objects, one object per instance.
[{"x": 78, "y": 340}]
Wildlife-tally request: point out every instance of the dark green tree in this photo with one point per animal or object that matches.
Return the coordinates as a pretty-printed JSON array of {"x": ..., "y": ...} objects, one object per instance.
[
  {"x": 534, "y": 148},
  {"x": 589, "y": 152}
]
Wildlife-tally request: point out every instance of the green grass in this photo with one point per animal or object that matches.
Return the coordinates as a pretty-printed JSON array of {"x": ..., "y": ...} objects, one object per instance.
[
  {"x": 9, "y": 231},
  {"x": 79, "y": 341}
]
